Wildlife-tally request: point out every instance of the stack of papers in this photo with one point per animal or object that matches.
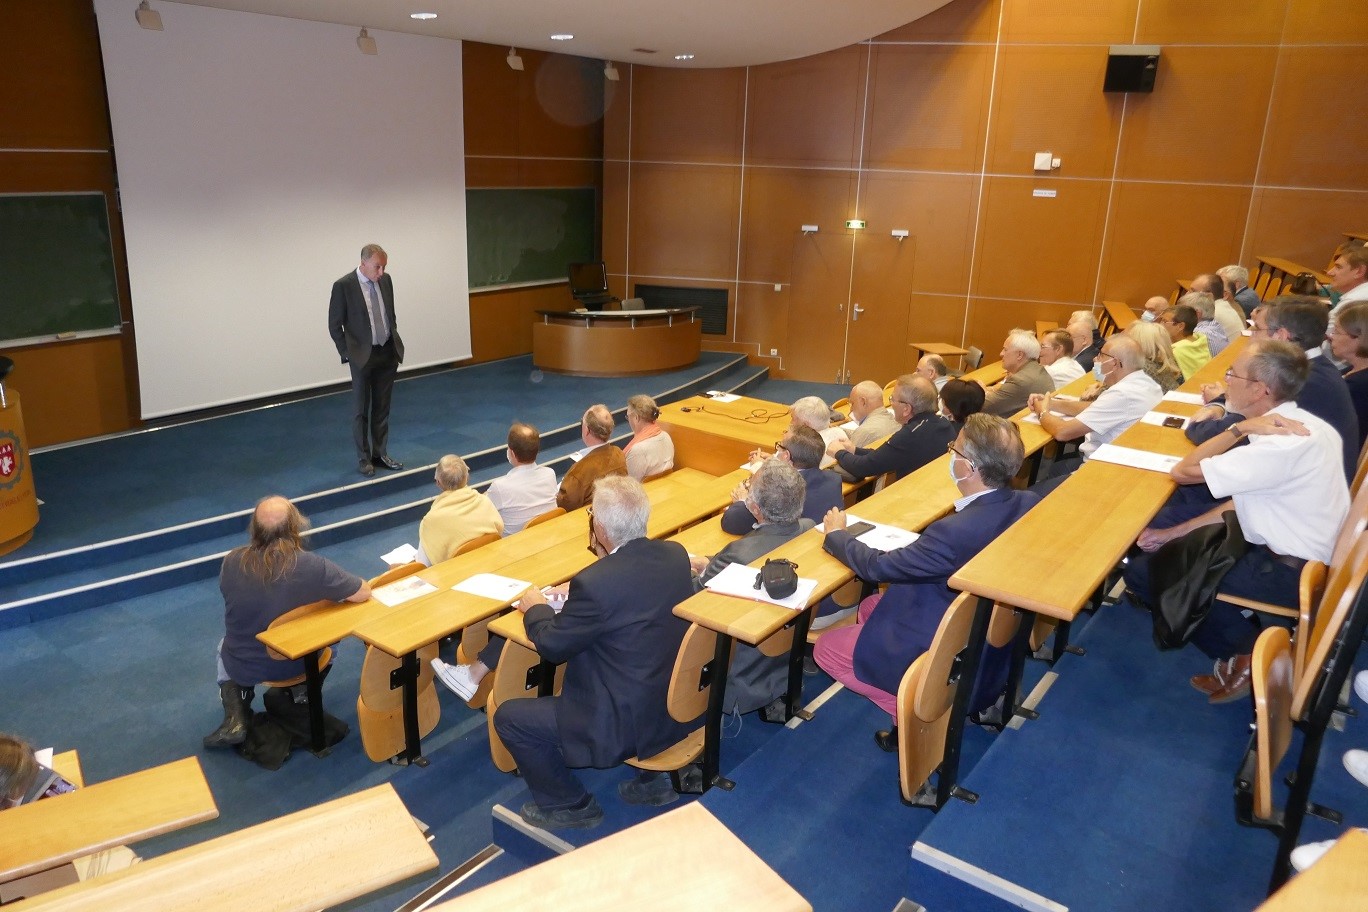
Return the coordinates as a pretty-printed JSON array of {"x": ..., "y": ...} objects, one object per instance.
[
  {"x": 400, "y": 591},
  {"x": 1189, "y": 398},
  {"x": 1136, "y": 459},
  {"x": 882, "y": 537},
  {"x": 492, "y": 586},
  {"x": 739, "y": 580},
  {"x": 403, "y": 554},
  {"x": 719, "y": 396}
]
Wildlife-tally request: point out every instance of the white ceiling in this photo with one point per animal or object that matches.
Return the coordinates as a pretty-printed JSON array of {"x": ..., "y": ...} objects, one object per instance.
[{"x": 719, "y": 33}]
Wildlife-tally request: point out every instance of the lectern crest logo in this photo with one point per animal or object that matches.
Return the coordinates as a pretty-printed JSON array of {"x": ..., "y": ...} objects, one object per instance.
[{"x": 10, "y": 464}]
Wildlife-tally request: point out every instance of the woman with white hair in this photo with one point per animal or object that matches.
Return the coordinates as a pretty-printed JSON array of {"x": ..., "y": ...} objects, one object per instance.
[
  {"x": 650, "y": 451},
  {"x": 459, "y": 514},
  {"x": 813, "y": 412}
]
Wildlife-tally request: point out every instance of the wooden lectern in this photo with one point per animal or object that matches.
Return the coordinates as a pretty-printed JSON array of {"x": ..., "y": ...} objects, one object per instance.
[{"x": 18, "y": 502}]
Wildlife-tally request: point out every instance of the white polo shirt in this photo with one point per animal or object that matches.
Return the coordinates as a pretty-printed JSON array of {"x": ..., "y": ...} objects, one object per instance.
[
  {"x": 1119, "y": 406},
  {"x": 1289, "y": 491},
  {"x": 1064, "y": 371},
  {"x": 526, "y": 492}
]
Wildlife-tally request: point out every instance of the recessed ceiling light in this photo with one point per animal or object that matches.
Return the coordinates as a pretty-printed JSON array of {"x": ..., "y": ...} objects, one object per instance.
[
  {"x": 563, "y": 36},
  {"x": 683, "y": 56},
  {"x": 422, "y": 15}
]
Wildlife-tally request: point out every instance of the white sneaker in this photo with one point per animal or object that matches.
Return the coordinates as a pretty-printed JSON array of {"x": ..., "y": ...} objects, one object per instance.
[
  {"x": 1304, "y": 856},
  {"x": 826, "y": 620},
  {"x": 1356, "y": 762},
  {"x": 1361, "y": 685},
  {"x": 456, "y": 678}
]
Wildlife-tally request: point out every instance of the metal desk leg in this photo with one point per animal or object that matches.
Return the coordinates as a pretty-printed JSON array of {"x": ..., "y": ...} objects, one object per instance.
[
  {"x": 794, "y": 697},
  {"x": 712, "y": 728},
  {"x": 313, "y": 684},
  {"x": 947, "y": 785},
  {"x": 406, "y": 676},
  {"x": 1021, "y": 644},
  {"x": 1036, "y": 459}
]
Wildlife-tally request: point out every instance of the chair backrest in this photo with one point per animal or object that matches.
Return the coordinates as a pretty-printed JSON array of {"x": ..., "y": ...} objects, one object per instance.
[
  {"x": 395, "y": 573},
  {"x": 1355, "y": 524},
  {"x": 478, "y": 541},
  {"x": 1313, "y": 578},
  {"x": 1003, "y": 625},
  {"x": 1361, "y": 471},
  {"x": 925, "y": 696},
  {"x": 842, "y": 406},
  {"x": 632, "y": 304},
  {"x": 687, "y": 698},
  {"x": 543, "y": 517},
  {"x": 1343, "y": 587},
  {"x": 1271, "y": 668},
  {"x": 974, "y": 357}
]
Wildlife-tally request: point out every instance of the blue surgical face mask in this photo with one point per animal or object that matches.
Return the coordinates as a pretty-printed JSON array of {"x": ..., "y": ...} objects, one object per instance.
[
  {"x": 1148, "y": 316},
  {"x": 1100, "y": 374}
]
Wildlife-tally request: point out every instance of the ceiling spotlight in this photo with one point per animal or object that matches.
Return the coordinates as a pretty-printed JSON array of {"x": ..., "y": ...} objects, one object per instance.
[
  {"x": 563, "y": 36},
  {"x": 684, "y": 56},
  {"x": 514, "y": 61},
  {"x": 148, "y": 18},
  {"x": 609, "y": 71},
  {"x": 366, "y": 43},
  {"x": 423, "y": 16}
]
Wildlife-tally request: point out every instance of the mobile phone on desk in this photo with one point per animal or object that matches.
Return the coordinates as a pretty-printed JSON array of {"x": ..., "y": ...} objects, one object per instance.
[
  {"x": 859, "y": 528},
  {"x": 1174, "y": 422}
]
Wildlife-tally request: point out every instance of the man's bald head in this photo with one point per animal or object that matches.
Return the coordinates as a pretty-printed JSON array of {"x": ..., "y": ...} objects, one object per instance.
[
  {"x": 1211, "y": 283},
  {"x": 273, "y": 511},
  {"x": 1126, "y": 351},
  {"x": 597, "y": 424},
  {"x": 865, "y": 397}
]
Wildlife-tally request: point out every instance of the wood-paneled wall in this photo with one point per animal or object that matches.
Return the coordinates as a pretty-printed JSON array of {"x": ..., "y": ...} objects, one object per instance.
[{"x": 1253, "y": 142}]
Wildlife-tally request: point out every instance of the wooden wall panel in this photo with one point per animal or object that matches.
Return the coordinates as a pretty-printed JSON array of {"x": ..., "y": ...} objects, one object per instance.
[
  {"x": 1317, "y": 129},
  {"x": 54, "y": 94},
  {"x": 928, "y": 107},
  {"x": 531, "y": 172},
  {"x": 761, "y": 316},
  {"x": 1302, "y": 226},
  {"x": 501, "y": 321},
  {"x": 684, "y": 220},
  {"x": 1162, "y": 232},
  {"x": 778, "y": 202},
  {"x": 552, "y": 108},
  {"x": 933, "y": 316},
  {"x": 938, "y": 212},
  {"x": 1322, "y": 21},
  {"x": 73, "y": 389},
  {"x": 958, "y": 20},
  {"x": 688, "y": 115},
  {"x": 1211, "y": 22},
  {"x": 1040, "y": 249},
  {"x": 1205, "y": 119},
  {"x": 617, "y": 115},
  {"x": 1050, "y": 99},
  {"x": 1069, "y": 21},
  {"x": 614, "y": 245},
  {"x": 806, "y": 112},
  {"x": 990, "y": 320}
]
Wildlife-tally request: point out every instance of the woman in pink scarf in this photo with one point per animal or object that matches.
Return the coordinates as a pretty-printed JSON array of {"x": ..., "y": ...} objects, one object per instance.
[{"x": 650, "y": 451}]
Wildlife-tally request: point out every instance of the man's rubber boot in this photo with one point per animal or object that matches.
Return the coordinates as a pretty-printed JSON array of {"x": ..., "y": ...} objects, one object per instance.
[{"x": 237, "y": 714}]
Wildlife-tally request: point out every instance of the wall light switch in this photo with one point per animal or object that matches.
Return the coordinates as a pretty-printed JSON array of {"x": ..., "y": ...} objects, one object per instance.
[
  {"x": 1054, "y": 163},
  {"x": 774, "y": 352},
  {"x": 1042, "y": 161},
  {"x": 778, "y": 286}
]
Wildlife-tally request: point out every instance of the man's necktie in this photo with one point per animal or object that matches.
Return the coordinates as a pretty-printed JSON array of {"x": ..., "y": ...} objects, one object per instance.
[{"x": 380, "y": 332}]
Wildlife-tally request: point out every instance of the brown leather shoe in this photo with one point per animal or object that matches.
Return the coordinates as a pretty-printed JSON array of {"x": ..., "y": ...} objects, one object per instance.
[
  {"x": 1236, "y": 684},
  {"x": 1220, "y": 672}
]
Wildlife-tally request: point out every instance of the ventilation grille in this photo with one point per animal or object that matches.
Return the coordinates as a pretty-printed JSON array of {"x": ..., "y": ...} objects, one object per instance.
[{"x": 711, "y": 301}]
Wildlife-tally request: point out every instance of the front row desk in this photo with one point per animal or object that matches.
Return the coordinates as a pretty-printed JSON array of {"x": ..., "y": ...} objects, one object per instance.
[{"x": 616, "y": 343}]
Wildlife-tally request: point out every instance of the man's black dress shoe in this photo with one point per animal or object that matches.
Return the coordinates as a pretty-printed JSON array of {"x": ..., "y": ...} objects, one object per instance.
[
  {"x": 887, "y": 740},
  {"x": 366, "y": 468},
  {"x": 385, "y": 462}
]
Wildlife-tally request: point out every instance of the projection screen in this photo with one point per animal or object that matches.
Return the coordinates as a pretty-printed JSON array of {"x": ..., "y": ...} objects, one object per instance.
[{"x": 255, "y": 156}]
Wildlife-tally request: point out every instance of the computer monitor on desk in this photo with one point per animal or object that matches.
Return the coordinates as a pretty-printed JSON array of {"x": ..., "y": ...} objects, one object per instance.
[{"x": 589, "y": 285}]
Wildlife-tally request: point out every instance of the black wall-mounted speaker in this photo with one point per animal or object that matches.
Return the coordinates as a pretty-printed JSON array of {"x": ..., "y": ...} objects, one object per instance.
[{"x": 1131, "y": 68}]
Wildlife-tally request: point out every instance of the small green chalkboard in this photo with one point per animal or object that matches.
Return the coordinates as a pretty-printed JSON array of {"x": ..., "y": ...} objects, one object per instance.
[
  {"x": 59, "y": 266},
  {"x": 529, "y": 234}
]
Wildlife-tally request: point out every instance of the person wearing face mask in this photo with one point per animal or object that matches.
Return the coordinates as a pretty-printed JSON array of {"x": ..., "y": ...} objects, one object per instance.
[
  {"x": 892, "y": 629},
  {"x": 528, "y": 490},
  {"x": 1128, "y": 392},
  {"x": 1154, "y": 308}
]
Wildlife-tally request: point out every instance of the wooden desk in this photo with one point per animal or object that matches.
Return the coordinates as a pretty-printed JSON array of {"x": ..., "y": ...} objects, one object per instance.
[
  {"x": 717, "y": 437},
  {"x": 944, "y": 349},
  {"x": 54, "y": 831},
  {"x": 987, "y": 375},
  {"x": 1275, "y": 274},
  {"x": 680, "y": 861},
  {"x": 1336, "y": 883},
  {"x": 313, "y": 859},
  {"x": 67, "y": 764},
  {"x": 1117, "y": 316},
  {"x": 616, "y": 343}
]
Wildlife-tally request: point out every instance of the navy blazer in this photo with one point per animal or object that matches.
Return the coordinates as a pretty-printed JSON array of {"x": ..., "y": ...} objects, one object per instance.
[
  {"x": 823, "y": 493},
  {"x": 904, "y": 623},
  {"x": 922, "y": 440},
  {"x": 619, "y": 637},
  {"x": 349, "y": 319}
]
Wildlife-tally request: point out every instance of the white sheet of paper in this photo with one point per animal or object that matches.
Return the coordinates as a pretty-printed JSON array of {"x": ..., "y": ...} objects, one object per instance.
[
  {"x": 44, "y": 756},
  {"x": 1160, "y": 417},
  {"x": 887, "y": 538},
  {"x": 719, "y": 396},
  {"x": 753, "y": 466},
  {"x": 851, "y": 425},
  {"x": 1137, "y": 459},
  {"x": 739, "y": 580},
  {"x": 493, "y": 586},
  {"x": 403, "y": 554},
  {"x": 1189, "y": 398},
  {"x": 400, "y": 591}
]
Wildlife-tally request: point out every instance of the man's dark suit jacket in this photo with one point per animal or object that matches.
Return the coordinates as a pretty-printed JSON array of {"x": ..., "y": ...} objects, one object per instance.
[
  {"x": 923, "y": 439},
  {"x": 1087, "y": 356},
  {"x": 349, "y": 319},
  {"x": 1325, "y": 395},
  {"x": 823, "y": 493},
  {"x": 904, "y": 622},
  {"x": 619, "y": 637}
]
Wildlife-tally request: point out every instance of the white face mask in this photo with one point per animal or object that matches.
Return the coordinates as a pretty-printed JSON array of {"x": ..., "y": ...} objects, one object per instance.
[
  {"x": 1098, "y": 372},
  {"x": 953, "y": 477},
  {"x": 1148, "y": 316}
]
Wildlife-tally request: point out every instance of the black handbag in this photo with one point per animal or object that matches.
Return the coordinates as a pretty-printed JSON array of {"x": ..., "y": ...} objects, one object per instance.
[
  {"x": 1185, "y": 575},
  {"x": 779, "y": 576}
]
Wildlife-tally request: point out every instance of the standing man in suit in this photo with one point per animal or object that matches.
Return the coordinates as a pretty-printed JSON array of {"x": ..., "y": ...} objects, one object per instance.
[
  {"x": 361, "y": 323},
  {"x": 618, "y": 638}
]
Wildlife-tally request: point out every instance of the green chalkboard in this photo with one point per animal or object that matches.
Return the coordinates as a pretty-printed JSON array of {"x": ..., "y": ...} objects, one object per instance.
[
  {"x": 59, "y": 265},
  {"x": 529, "y": 234}
]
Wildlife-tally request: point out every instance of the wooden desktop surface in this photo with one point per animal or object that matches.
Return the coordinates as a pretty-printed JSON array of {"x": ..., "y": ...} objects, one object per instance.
[
  {"x": 944, "y": 349},
  {"x": 717, "y": 437},
  {"x": 684, "y": 859},
  {"x": 1120, "y": 314},
  {"x": 313, "y": 859},
  {"x": 53, "y": 831},
  {"x": 1336, "y": 883}
]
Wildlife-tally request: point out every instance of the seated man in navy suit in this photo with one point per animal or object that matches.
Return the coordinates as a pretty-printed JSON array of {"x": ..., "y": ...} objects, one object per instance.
[
  {"x": 801, "y": 448},
  {"x": 619, "y": 637},
  {"x": 871, "y": 656}
]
